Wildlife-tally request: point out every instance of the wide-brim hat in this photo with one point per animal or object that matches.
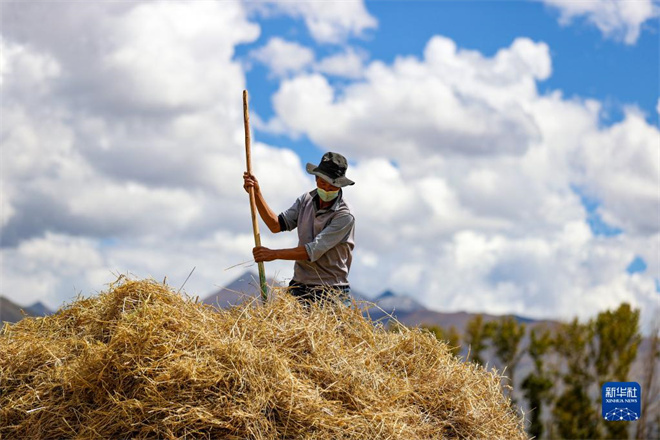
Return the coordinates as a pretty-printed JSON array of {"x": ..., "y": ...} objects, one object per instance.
[{"x": 332, "y": 169}]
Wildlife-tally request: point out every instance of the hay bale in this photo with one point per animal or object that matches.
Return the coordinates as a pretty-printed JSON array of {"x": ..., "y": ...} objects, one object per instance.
[{"x": 142, "y": 361}]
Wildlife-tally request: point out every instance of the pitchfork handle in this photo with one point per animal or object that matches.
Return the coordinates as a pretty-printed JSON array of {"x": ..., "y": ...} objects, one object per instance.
[{"x": 253, "y": 205}]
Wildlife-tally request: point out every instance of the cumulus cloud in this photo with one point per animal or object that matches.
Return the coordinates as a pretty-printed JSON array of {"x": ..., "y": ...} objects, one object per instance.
[
  {"x": 144, "y": 57},
  {"x": 172, "y": 55},
  {"x": 50, "y": 269},
  {"x": 569, "y": 272},
  {"x": 620, "y": 20},
  {"x": 57, "y": 267},
  {"x": 466, "y": 181},
  {"x": 123, "y": 152},
  {"x": 283, "y": 57},
  {"x": 24, "y": 72},
  {"x": 455, "y": 101},
  {"x": 327, "y": 22},
  {"x": 123, "y": 145},
  {"x": 622, "y": 168},
  {"x": 347, "y": 64}
]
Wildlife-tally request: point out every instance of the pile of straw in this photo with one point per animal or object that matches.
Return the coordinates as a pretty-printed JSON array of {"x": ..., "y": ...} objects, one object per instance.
[{"x": 142, "y": 361}]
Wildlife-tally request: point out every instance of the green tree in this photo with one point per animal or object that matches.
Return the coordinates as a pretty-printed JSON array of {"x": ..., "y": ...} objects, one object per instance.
[
  {"x": 614, "y": 348},
  {"x": 575, "y": 414},
  {"x": 477, "y": 334},
  {"x": 616, "y": 343},
  {"x": 538, "y": 384},
  {"x": 650, "y": 393},
  {"x": 451, "y": 337},
  {"x": 599, "y": 351},
  {"x": 506, "y": 334}
]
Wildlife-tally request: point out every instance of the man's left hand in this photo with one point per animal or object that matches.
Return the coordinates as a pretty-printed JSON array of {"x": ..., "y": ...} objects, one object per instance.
[{"x": 261, "y": 253}]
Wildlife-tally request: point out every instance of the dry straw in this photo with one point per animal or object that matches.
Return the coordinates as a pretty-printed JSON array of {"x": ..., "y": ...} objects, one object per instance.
[{"x": 141, "y": 361}]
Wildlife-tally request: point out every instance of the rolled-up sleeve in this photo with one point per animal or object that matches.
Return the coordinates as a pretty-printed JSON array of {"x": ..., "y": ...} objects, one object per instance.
[
  {"x": 336, "y": 232},
  {"x": 289, "y": 219}
]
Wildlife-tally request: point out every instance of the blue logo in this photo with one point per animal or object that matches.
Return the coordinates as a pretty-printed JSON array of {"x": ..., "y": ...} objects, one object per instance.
[{"x": 622, "y": 401}]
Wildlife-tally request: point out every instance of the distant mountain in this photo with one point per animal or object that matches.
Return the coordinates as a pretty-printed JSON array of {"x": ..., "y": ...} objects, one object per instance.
[
  {"x": 391, "y": 302},
  {"x": 39, "y": 309},
  {"x": 457, "y": 319},
  {"x": 11, "y": 312},
  {"x": 390, "y": 305},
  {"x": 244, "y": 288},
  {"x": 386, "y": 306}
]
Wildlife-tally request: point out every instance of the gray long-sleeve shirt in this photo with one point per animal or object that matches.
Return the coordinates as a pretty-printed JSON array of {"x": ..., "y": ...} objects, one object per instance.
[{"x": 328, "y": 237}]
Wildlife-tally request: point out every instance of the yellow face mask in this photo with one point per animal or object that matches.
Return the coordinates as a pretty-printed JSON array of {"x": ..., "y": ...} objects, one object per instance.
[{"x": 327, "y": 196}]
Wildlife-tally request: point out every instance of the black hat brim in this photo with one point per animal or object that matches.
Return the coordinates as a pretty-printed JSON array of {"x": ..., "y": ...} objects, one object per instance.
[{"x": 338, "y": 182}]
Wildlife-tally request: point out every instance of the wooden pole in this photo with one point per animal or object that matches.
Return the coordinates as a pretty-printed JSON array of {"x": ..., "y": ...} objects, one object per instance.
[{"x": 253, "y": 205}]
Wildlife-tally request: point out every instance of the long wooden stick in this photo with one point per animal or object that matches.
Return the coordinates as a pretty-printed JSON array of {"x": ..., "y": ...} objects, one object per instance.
[{"x": 253, "y": 205}]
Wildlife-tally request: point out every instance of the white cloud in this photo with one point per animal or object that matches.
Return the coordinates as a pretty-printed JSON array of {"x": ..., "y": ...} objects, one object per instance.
[
  {"x": 327, "y": 22},
  {"x": 25, "y": 72},
  {"x": 139, "y": 57},
  {"x": 50, "y": 268},
  {"x": 272, "y": 126},
  {"x": 621, "y": 20},
  {"x": 133, "y": 206},
  {"x": 174, "y": 55},
  {"x": 128, "y": 157},
  {"x": 56, "y": 267},
  {"x": 122, "y": 124},
  {"x": 7, "y": 210},
  {"x": 571, "y": 273},
  {"x": 283, "y": 57},
  {"x": 622, "y": 168},
  {"x": 348, "y": 64},
  {"x": 268, "y": 166},
  {"x": 466, "y": 177},
  {"x": 455, "y": 101}
]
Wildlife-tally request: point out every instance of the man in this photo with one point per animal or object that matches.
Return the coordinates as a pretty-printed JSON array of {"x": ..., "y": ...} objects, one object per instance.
[{"x": 325, "y": 232}]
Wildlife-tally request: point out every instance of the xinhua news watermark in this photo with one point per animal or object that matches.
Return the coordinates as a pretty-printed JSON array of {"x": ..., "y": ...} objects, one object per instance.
[{"x": 621, "y": 401}]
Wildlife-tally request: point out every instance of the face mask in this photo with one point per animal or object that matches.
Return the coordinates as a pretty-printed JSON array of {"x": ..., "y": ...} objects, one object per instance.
[{"x": 327, "y": 196}]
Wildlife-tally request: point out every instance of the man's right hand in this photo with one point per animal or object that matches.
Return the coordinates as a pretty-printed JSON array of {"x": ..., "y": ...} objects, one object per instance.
[{"x": 249, "y": 181}]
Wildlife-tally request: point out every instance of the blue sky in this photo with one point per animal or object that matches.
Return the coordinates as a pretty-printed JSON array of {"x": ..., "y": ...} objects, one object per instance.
[
  {"x": 506, "y": 153},
  {"x": 585, "y": 65}
]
